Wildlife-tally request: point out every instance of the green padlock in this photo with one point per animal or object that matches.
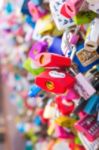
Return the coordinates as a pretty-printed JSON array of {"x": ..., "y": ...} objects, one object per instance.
[
  {"x": 31, "y": 67},
  {"x": 84, "y": 17}
]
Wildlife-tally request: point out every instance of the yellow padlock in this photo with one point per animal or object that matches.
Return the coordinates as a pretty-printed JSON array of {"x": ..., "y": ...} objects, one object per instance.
[
  {"x": 45, "y": 24},
  {"x": 51, "y": 128},
  {"x": 65, "y": 121}
]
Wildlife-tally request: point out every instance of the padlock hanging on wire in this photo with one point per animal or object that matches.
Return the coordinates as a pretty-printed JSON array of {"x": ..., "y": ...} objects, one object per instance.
[{"x": 83, "y": 86}]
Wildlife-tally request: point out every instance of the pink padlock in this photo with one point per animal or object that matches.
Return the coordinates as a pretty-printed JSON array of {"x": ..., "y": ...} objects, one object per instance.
[
  {"x": 73, "y": 6},
  {"x": 72, "y": 95},
  {"x": 63, "y": 133},
  {"x": 74, "y": 38},
  {"x": 36, "y": 11}
]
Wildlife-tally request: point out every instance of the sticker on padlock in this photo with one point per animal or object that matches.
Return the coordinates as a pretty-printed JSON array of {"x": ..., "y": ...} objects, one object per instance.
[
  {"x": 52, "y": 60},
  {"x": 89, "y": 126},
  {"x": 92, "y": 38},
  {"x": 61, "y": 22},
  {"x": 52, "y": 80},
  {"x": 83, "y": 86},
  {"x": 30, "y": 66},
  {"x": 84, "y": 17},
  {"x": 37, "y": 48}
]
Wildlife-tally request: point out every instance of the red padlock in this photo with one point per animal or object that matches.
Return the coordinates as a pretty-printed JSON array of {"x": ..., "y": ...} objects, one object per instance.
[
  {"x": 63, "y": 11},
  {"x": 65, "y": 107},
  {"x": 52, "y": 60},
  {"x": 71, "y": 7},
  {"x": 56, "y": 81}
]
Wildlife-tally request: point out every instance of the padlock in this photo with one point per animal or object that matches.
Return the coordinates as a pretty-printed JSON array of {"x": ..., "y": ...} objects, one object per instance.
[
  {"x": 30, "y": 21},
  {"x": 61, "y": 22},
  {"x": 66, "y": 107},
  {"x": 87, "y": 144},
  {"x": 72, "y": 7},
  {"x": 44, "y": 25},
  {"x": 63, "y": 133},
  {"x": 94, "y": 6},
  {"x": 80, "y": 107},
  {"x": 75, "y": 146},
  {"x": 55, "y": 46},
  {"x": 37, "y": 121},
  {"x": 84, "y": 17},
  {"x": 83, "y": 86},
  {"x": 51, "y": 128},
  {"x": 91, "y": 106},
  {"x": 37, "y": 48},
  {"x": 52, "y": 60},
  {"x": 92, "y": 38},
  {"x": 37, "y": 2},
  {"x": 34, "y": 91},
  {"x": 63, "y": 11},
  {"x": 24, "y": 8},
  {"x": 49, "y": 112},
  {"x": 72, "y": 95},
  {"x": 52, "y": 80},
  {"x": 36, "y": 11},
  {"x": 65, "y": 121},
  {"x": 9, "y": 7},
  {"x": 31, "y": 67},
  {"x": 74, "y": 38},
  {"x": 84, "y": 59},
  {"x": 89, "y": 126}
]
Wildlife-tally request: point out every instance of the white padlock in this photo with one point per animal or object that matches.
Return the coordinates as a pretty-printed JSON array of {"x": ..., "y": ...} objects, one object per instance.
[
  {"x": 61, "y": 22},
  {"x": 92, "y": 39}
]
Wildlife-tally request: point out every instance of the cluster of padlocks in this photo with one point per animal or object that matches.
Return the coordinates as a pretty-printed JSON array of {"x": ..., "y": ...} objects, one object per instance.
[{"x": 60, "y": 51}]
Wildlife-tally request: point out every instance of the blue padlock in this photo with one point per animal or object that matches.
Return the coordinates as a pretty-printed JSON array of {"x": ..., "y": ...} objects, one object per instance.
[
  {"x": 91, "y": 106},
  {"x": 55, "y": 46},
  {"x": 84, "y": 66},
  {"x": 9, "y": 8},
  {"x": 24, "y": 8},
  {"x": 34, "y": 91},
  {"x": 37, "y": 2},
  {"x": 30, "y": 21},
  {"x": 37, "y": 121},
  {"x": 21, "y": 127}
]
